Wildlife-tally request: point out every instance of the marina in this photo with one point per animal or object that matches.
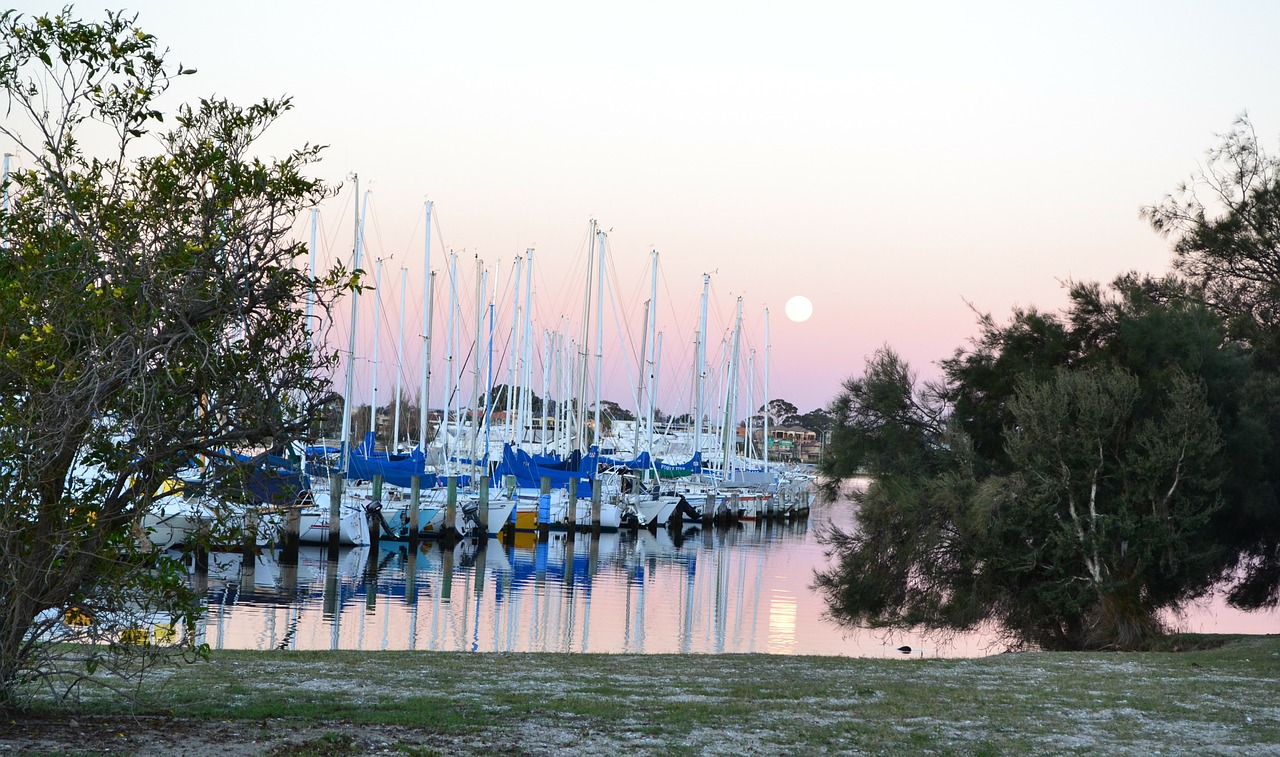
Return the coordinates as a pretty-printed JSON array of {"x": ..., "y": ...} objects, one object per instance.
[
  {"x": 715, "y": 590},
  {"x": 696, "y": 590}
]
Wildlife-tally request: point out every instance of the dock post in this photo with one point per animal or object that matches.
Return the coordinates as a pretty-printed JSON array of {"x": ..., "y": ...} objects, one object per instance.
[
  {"x": 374, "y": 516},
  {"x": 371, "y": 571},
  {"x": 544, "y": 514},
  {"x": 335, "y": 513},
  {"x": 415, "y": 502},
  {"x": 202, "y": 570},
  {"x": 482, "y": 510},
  {"x": 709, "y": 509},
  {"x": 595, "y": 506},
  {"x": 249, "y": 539},
  {"x": 509, "y": 483},
  {"x": 571, "y": 515},
  {"x": 292, "y": 535},
  {"x": 450, "y": 513},
  {"x": 249, "y": 553}
]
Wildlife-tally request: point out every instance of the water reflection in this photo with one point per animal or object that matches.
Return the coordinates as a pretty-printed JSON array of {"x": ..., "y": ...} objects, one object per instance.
[{"x": 743, "y": 589}]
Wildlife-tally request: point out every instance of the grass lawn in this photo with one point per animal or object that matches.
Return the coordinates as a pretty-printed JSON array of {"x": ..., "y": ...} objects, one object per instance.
[{"x": 1219, "y": 699}]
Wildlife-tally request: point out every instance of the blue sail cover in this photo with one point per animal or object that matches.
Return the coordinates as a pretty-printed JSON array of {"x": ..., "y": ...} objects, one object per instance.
[
  {"x": 693, "y": 465},
  {"x": 555, "y": 462},
  {"x": 274, "y": 480},
  {"x": 366, "y": 462},
  {"x": 528, "y": 473},
  {"x": 666, "y": 470}
]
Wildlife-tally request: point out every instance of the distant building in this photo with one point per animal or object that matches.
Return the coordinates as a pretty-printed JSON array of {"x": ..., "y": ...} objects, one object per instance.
[{"x": 792, "y": 443}]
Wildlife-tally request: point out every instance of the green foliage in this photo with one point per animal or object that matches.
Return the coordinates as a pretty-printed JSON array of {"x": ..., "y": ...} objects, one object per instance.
[
  {"x": 1066, "y": 480},
  {"x": 818, "y": 420},
  {"x": 150, "y": 313},
  {"x": 781, "y": 412},
  {"x": 1225, "y": 223}
]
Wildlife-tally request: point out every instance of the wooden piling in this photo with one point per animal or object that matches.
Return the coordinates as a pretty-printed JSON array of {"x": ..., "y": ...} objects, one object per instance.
[
  {"x": 595, "y": 506},
  {"x": 374, "y": 517},
  {"x": 449, "y": 532},
  {"x": 544, "y": 525},
  {"x": 709, "y": 509},
  {"x": 482, "y": 510},
  {"x": 371, "y": 577},
  {"x": 571, "y": 515},
  {"x": 202, "y": 570},
  {"x": 509, "y": 484},
  {"x": 249, "y": 539},
  {"x": 292, "y": 535},
  {"x": 335, "y": 514},
  {"x": 289, "y": 571},
  {"x": 415, "y": 503}
]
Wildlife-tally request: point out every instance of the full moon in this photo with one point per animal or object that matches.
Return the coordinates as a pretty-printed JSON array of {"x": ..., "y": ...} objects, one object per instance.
[{"x": 799, "y": 308}]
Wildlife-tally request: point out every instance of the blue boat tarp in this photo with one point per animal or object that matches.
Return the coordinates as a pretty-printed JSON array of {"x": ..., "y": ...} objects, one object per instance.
[
  {"x": 273, "y": 480},
  {"x": 555, "y": 462},
  {"x": 528, "y": 473},
  {"x": 665, "y": 470},
  {"x": 366, "y": 462}
]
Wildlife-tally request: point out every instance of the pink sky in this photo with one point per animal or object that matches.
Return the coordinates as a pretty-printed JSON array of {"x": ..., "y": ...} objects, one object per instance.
[{"x": 892, "y": 162}]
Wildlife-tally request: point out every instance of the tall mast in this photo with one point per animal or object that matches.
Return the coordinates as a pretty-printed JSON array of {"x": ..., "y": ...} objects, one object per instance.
[
  {"x": 428, "y": 279},
  {"x": 311, "y": 265},
  {"x": 476, "y": 406},
  {"x": 640, "y": 380},
  {"x": 599, "y": 437},
  {"x": 700, "y": 367},
  {"x": 653, "y": 389},
  {"x": 548, "y": 344},
  {"x": 516, "y": 345},
  {"x": 526, "y": 352},
  {"x": 731, "y": 383},
  {"x": 580, "y": 436},
  {"x": 488, "y": 392},
  {"x": 650, "y": 341},
  {"x": 377, "y": 327},
  {"x": 748, "y": 437},
  {"x": 426, "y": 365},
  {"x": 448, "y": 374},
  {"x": 349, "y": 385},
  {"x": 395, "y": 426}
]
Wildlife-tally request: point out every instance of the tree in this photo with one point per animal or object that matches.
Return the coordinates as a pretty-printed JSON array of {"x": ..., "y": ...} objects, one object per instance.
[
  {"x": 499, "y": 402},
  {"x": 1065, "y": 479},
  {"x": 818, "y": 420},
  {"x": 1129, "y": 495},
  {"x": 1229, "y": 246},
  {"x": 1225, "y": 223},
  {"x": 615, "y": 412},
  {"x": 151, "y": 313},
  {"x": 781, "y": 412}
]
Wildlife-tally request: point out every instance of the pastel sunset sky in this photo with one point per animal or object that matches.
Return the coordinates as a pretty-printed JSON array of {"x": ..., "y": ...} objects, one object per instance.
[{"x": 896, "y": 163}]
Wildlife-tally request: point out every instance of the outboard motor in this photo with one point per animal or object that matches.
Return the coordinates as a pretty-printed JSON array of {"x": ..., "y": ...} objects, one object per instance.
[{"x": 471, "y": 514}]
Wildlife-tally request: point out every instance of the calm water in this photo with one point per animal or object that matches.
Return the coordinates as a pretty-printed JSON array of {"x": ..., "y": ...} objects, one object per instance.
[{"x": 708, "y": 591}]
